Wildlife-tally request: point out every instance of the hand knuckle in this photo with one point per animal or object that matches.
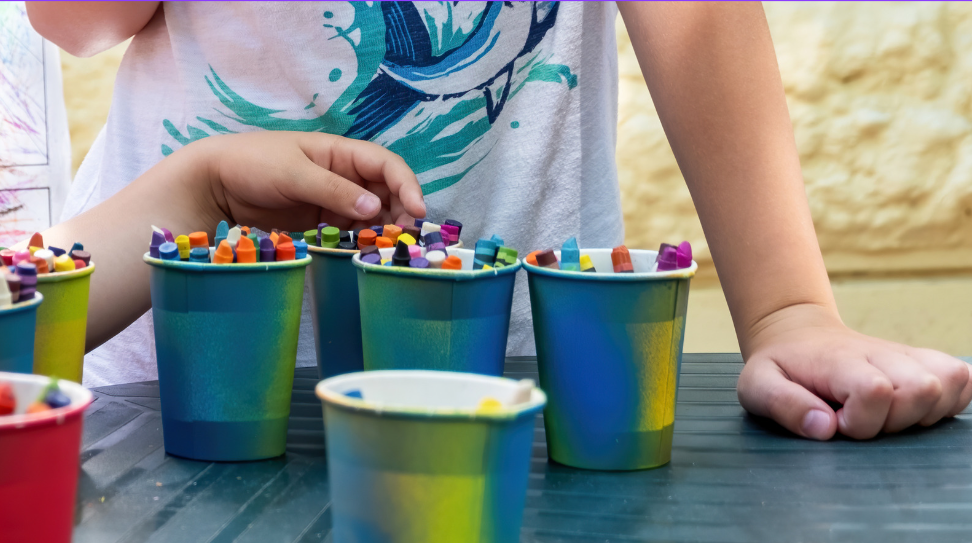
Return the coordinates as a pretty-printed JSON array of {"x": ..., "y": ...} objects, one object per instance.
[
  {"x": 927, "y": 388},
  {"x": 876, "y": 389}
]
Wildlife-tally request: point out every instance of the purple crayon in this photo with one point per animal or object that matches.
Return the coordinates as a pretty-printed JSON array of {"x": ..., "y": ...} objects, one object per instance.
[
  {"x": 457, "y": 225},
  {"x": 371, "y": 258},
  {"x": 683, "y": 256},
  {"x": 452, "y": 231},
  {"x": 667, "y": 258},
  {"x": 267, "y": 251},
  {"x": 157, "y": 240},
  {"x": 168, "y": 235},
  {"x": 419, "y": 263}
]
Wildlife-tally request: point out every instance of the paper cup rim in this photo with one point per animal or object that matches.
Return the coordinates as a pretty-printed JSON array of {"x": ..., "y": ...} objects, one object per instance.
[
  {"x": 23, "y": 306},
  {"x": 437, "y": 273},
  {"x": 56, "y": 277},
  {"x": 538, "y": 399},
  {"x": 81, "y": 398},
  {"x": 349, "y": 253},
  {"x": 683, "y": 273},
  {"x": 209, "y": 267}
]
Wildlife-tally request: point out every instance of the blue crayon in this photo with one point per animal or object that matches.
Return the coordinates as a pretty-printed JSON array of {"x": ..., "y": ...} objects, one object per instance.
[
  {"x": 157, "y": 240},
  {"x": 485, "y": 254},
  {"x": 76, "y": 247},
  {"x": 56, "y": 250},
  {"x": 267, "y": 251},
  {"x": 198, "y": 254},
  {"x": 419, "y": 223},
  {"x": 300, "y": 249},
  {"x": 222, "y": 230},
  {"x": 169, "y": 251},
  {"x": 570, "y": 256},
  {"x": 378, "y": 229}
]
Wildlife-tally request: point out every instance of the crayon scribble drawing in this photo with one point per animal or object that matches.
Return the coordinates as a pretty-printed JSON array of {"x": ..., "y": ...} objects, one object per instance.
[{"x": 25, "y": 173}]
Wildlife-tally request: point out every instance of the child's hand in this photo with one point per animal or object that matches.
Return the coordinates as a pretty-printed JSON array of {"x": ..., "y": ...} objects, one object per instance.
[
  {"x": 295, "y": 180},
  {"x": 804, "y": 353}
]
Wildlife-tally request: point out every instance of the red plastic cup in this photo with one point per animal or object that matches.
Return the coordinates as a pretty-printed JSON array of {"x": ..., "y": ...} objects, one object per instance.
[{"x": 39, "y": 462}]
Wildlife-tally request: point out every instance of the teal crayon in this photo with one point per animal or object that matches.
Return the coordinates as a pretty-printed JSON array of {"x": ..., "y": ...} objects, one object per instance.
[
  {"x": 198, "y": 254},
  {"x": 485, "y": 254},
  {"x": 570, "y": 256},
  {"x": 222, "y": 230}
]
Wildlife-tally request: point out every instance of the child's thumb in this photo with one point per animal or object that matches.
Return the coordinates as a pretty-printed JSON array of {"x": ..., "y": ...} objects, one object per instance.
[{"x": 765, "y": 390}]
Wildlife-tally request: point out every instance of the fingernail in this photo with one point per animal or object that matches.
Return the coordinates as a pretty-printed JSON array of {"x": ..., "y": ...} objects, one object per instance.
[
  {"x": 816, "y": 424},
  {"x": 367, "y": 204}
]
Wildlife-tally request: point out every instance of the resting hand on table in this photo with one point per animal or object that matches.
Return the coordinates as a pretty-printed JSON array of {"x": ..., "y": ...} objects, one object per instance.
[{"x": 803, "y": 355}]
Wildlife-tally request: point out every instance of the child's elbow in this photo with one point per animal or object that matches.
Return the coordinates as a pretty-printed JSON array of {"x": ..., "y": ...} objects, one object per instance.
[{"x": 55, "y": 27}]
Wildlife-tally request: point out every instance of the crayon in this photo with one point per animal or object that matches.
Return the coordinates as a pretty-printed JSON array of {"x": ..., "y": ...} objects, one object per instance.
[
  {"x": 586, "y": 265},
  {"x": 378, "y": 230},
  {"x": 414, "y": 251},
  {"x": 40, "y": 263},
  {"x": 79, "y": 264},
  {"x": 36, "y": 240},
  {"x": 532, "y": 258},
  {"x": 245, "y": 230},
  {"x": 497, "y": 240},
  {"x": 419, "y": 263},
  {"x": 13, "y": 283},
  {"x": 6, "y": 256},
  {"x": 369, "y": 249},
  {"x": 168, "y": 235},
  {"x": 458, "y": 226},
  {"x": 157, "y": 240},
  {"x": 345, "y": 236},
  {"x": 435, "y": 259},
  {"x": 233, "y": 237},
  {"x": 407, "y": 239},
  {"x": 386, "y": 262},
  {"x": 348, "y": 246},
  {"x": 182, "y": 242},
  {"x": 33, "y": 250},
  {"x": 430, "y": 227},
  {"x": 366, "y": 238},
  {"x": 274, "y": 237},
  {"x": 418, "y": 224},
  {"x": 63, "y": 263},
  {"x": 56, "y": 250},
  {"x": 547, "y": 259},
  {"x": 667, "y": 258},
  {"x": 433, "y": 242},
  {"x": 169, "y": 251},
  {"x": 485, "y": 253},
  {"x": 76, "y": 247},
  {"x": 198, "y": 239},
  {"x": 286, "y": 251},
  {"x": 83, "y": 256},
  {"x": 5, "y": 297},
  {"x": 330, "y": 237},
  {"x": 283, "y": 237},
  {"x": 383, "y": 243},
  {"x": 401, "y": 256},
  {"x": 621, "y": 259},
  {"x": 391, "y": 232},
  {"x": 452, "y": 263},
  {"x": 224, "y": 253},
  {"x": 487, "y": 267},
  {"x": 683, "y": 255},
  {"x": 267, "y": 251},
  {"x": 47, "y": 256},
  {"x": 222, "y": 230},
  {"x": 570, "y": 255},
  {"x": 320, "y": 229},
  {"x": 256, "y": 243},
  {"x": 246, "y": 253},
  {"x": 371, "y": 258},
  {"x": 415, "y": 233},
  {"x": 300, "y": 249},
  {"x": 198, "y": 254},
  {"x": 453, "y": 234}
]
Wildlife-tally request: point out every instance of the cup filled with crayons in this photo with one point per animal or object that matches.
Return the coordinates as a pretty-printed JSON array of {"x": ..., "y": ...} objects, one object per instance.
[
  {"x": 18, "y": 319},
  {"x": 428, "y": 456},
  {"x": 433, "y": 306},
  {"x": 40, "y": 440},
  {"x": 226, "y": 324},
  {"x": 609, "y": 326},
  {"x": 63, "y": 277}
]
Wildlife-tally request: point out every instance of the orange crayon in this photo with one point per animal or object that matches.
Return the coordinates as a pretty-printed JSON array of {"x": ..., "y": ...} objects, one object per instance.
[
  {"x": 40, "y": 263},
  {"x": 286, "y": 251},
  {"x": 36, "y": 240},
  {"x": 284, "y": 238},
  {"x": 382, "y": 242},
  {"x": 274, "y": 237},
  {"x": 224, "y": 253},
  {"x": 199, "y": 239},
  {"x": 391, "y": 232},
  {"x": 246, "y": 230},
  {"x": 366, "y": 237},
  {"x": 452, "y": 263},
  {"x": 246, "y": 251},
  {"x": 532, "y": 258}
]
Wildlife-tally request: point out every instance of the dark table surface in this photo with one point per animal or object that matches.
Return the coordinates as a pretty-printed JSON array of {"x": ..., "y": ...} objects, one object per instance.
[{"x": 733, "y": 478}]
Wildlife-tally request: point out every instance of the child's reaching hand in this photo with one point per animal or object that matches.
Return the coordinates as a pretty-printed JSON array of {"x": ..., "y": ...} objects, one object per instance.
[{"x": 286, "y": 180}]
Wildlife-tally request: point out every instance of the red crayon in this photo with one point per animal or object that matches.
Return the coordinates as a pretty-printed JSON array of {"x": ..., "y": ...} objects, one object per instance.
[
  {"x": 36, "y": 240},
  {"x": 621, "y": 259},
  {"x": 285, "y": 251},
  {"x": 547, "y": 259}
]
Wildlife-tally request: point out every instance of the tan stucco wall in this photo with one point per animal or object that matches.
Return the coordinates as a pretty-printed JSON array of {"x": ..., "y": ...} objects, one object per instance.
[{"x": 881, "y": 101}]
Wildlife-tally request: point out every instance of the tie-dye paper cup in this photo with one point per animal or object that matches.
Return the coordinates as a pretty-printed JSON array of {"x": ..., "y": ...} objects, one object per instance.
[
  {"x": 609, "y": 349},
  {"x": 226, "y": 344},
  {"x": 334, "y": 305},
  {"x": 62, "y": 323},
  {"x": 412, "y": 460},
  {"x": 17, "y": 324},
  {"x": 39, "y": 462},
  {"x": 430, "y": 319}
]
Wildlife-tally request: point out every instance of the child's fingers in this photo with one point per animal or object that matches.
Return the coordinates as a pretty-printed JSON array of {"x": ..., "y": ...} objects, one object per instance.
[
  {"x": 965, "y": 397},
  {"x": 953, "y": 375},
  {"x": 765, "y": 390},
  {"x": 916, "y": 390},
  {"x": 318, "y": 186},
  {"x": 866, "y": 394}
]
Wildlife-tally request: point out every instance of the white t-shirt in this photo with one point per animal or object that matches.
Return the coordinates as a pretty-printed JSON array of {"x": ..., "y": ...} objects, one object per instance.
[{"x": 506, "y": 111}]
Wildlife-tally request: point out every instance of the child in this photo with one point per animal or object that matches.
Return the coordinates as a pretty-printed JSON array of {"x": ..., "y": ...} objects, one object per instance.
[{"x": 507, "y": 114}]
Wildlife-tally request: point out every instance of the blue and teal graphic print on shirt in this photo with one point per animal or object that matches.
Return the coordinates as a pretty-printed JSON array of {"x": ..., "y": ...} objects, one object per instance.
[{"x": 432, "y": 80}]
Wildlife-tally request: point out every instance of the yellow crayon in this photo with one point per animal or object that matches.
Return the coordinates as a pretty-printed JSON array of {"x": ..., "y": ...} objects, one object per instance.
[
  {"x": 407, "y": 238},
  {"x": 63, "y": 263},
  {"x": 182, "y": 242}
]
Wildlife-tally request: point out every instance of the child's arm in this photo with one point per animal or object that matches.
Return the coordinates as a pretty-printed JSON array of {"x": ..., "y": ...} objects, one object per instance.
[
  {"x": 712, "y": 73},
  {"x": 286, "y": 180},
  {"x": 88, "y": 28}
]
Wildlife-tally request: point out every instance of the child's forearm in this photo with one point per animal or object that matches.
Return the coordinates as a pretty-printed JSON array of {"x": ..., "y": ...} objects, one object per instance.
[
  {"x": 713, "y": 76},
  {"x": 84, "y": 29}
]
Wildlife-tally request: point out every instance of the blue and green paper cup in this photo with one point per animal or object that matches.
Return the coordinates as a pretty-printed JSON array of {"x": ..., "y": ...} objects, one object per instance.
[
  {"x": 17, "y": 323},
  {"x": 226, "y": 344},
  {"x": 62, "y": 323},
  {"x": 609, "y": 349},
  {"x": 334, "y": 305},
  {"x": 413, "y": 458},
  {"x": 433, "y": 319}
]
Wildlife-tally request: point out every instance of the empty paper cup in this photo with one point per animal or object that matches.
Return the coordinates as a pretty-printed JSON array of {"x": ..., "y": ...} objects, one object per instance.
[
  {"x": 17, "y": 324},
  {"x": 334, "y": 304},
  {"x": 433, "y": 319},
  {"x": 62, "y": 322},
  {"x": 609, "y": 348},
  {"x": 412, "y": 460},
  {"x": 39, "y": 462},
  {"x": 226, "y": 344}
]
